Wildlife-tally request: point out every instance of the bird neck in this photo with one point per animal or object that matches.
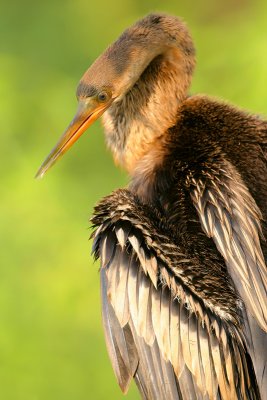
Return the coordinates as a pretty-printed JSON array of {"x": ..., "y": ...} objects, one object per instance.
[{"x": 137, "y": 123}]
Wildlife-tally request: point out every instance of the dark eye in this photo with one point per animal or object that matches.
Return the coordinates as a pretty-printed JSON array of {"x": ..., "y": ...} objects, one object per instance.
[{"x": 102, "y": 96}]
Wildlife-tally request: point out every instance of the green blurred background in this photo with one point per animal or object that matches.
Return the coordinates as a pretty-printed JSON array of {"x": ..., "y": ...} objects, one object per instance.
[{"x": 51, "y": 340}]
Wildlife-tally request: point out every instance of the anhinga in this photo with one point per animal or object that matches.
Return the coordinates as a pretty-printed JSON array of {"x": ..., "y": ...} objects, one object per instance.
[{"x": 183, "y": 248}]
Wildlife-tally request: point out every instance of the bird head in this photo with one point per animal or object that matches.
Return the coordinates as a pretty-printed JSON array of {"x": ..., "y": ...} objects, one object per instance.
[
  {"x": 120, "y": 68},
  {"x": 106, "y": 81}
]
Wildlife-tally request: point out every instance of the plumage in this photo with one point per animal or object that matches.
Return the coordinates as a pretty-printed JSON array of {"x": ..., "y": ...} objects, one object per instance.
[
  {"x": 206, "y": 348},
  {"x": 183, "y": 248}
]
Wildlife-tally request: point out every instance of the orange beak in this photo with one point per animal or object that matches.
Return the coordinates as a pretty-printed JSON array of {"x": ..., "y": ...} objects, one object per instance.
[{"x": 88, "y": 111}]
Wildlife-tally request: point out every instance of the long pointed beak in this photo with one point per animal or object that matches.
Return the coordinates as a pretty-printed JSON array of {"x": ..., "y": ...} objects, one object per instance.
[{"x": 88, "y": 111}]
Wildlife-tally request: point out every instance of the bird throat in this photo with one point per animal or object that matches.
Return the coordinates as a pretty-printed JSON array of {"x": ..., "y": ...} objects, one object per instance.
[
  {"x": 139, "y": 149},
  {"x": 136, "y": 126}
]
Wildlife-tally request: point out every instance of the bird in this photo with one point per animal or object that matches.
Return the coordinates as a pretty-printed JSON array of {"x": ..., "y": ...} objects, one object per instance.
[{"x": 182, "y": 248}]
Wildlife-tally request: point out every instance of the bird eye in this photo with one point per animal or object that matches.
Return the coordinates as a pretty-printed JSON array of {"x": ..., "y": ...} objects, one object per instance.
[{"x": 102, "y": 96}]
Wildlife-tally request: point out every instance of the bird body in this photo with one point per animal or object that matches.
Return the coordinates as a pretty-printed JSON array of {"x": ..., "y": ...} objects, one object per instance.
[{"x": 183, "y": 248}]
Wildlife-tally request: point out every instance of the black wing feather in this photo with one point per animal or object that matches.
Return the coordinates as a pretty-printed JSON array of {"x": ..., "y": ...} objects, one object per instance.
[{"x": 160, "y": 332}]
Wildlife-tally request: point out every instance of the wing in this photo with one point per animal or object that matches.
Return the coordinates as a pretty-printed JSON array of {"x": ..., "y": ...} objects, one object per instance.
[
  {"x": 159, "y": 331},
  {"x": 229, "y": 215}
]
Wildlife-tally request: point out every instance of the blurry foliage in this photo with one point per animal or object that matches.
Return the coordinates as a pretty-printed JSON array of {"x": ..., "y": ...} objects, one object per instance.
[{"x": 51, "y": 340}]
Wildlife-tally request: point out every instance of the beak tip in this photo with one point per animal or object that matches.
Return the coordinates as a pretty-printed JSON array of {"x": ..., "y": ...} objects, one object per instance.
[{"x": 39, "y": 174}]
